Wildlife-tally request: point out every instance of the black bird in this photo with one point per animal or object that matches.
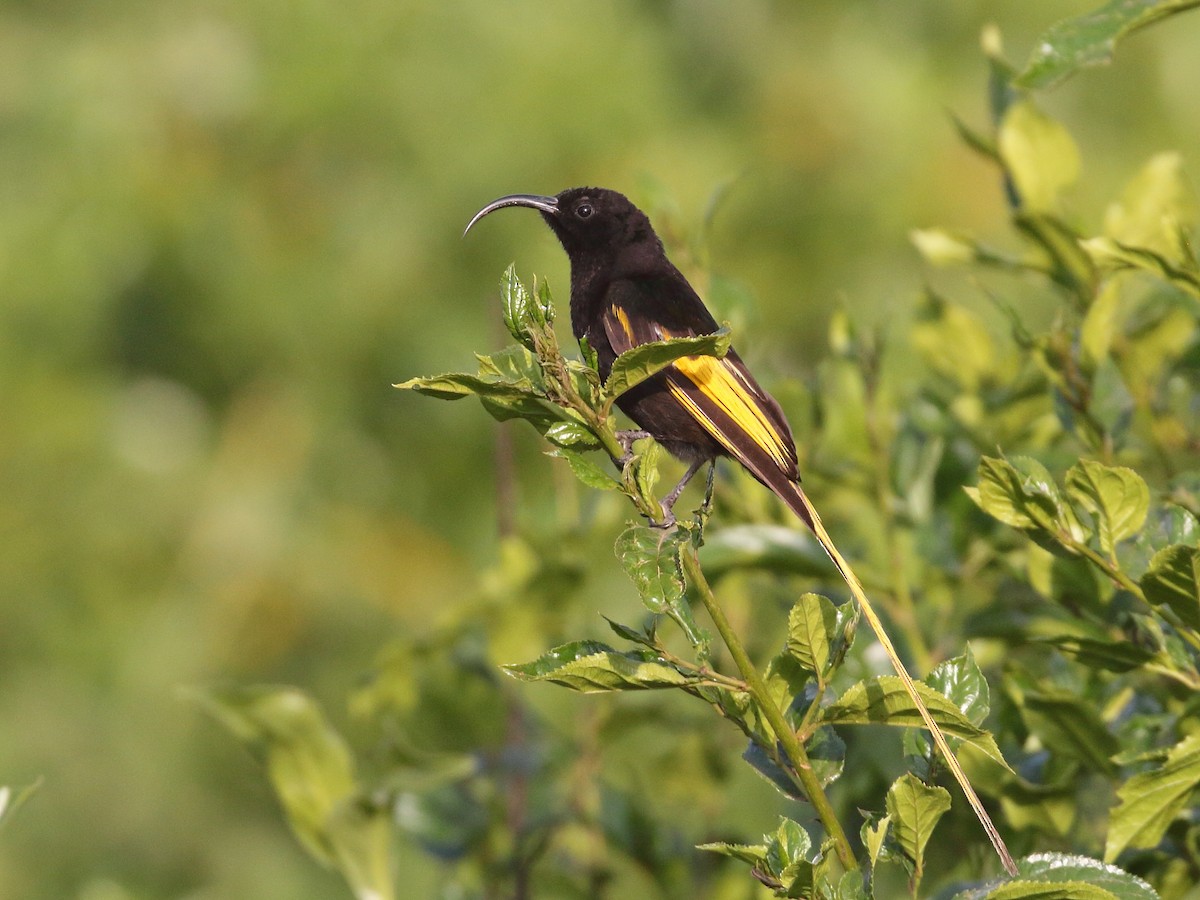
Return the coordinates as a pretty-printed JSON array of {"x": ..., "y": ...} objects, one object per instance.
[{"x": 625, "y": 292}]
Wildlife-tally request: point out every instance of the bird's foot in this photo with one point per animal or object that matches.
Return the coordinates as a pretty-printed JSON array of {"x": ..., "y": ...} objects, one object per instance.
[
  {"x": 668, "y": 522},
  {"x": 626, "y": 439}
]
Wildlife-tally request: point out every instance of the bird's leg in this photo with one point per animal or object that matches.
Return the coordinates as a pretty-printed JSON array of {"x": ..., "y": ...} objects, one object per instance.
[
  {"x": 706, "y": 506},
  {"x": 626, "y": 439},
  {"x": 668, "y": 501}
]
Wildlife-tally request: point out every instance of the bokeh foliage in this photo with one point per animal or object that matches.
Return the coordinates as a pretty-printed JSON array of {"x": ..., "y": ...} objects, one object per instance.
[{"x": 226, "y": 229}]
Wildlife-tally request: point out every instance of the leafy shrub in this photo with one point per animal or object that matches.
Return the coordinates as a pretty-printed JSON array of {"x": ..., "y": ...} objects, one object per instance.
[{"x": 1070, "y": 563}]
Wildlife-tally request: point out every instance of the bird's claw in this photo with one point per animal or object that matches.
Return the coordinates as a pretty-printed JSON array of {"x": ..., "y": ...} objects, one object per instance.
[
  {"x": 626, "y": 439},
  {"x": 668, "y": 521}
]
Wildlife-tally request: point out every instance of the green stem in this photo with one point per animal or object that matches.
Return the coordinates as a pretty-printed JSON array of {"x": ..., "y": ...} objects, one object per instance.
[{"x": 792, "y": 747}]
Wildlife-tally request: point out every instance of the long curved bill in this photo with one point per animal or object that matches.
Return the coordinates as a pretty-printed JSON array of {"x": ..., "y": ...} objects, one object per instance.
[{"x": 535, "y": 201}]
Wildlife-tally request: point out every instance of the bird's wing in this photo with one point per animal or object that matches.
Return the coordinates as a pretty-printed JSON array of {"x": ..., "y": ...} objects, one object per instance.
[{"x": 720, "y": 394}]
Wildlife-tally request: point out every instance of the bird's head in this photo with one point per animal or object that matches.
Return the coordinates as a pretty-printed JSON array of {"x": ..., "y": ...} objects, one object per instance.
[{"x": 590, "y": 222}]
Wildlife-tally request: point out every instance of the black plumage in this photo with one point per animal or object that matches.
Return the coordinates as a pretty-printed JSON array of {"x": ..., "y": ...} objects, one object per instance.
[{"x": 626, "y": 292}]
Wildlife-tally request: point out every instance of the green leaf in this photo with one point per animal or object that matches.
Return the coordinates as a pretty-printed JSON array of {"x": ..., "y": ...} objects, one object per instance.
[
  {"x": 1060, "y": 867},
  {"x": 812, "y": 631},
  {"x": 1069, "y": 725},
  {"x": 637, "y": 364},
  {"x": 629, "y": 633},
  {"x": 883, "y": 700},
  {"x": 1020, "y": 493},
  {"x": 651, "y": 559},
  {"x": 786, "y": 859},
  {"x": 1156, "y": 203},
  {"x": 873, "y": 835},
  {"x": 456, "y": 385},
  {"x": 941, "y": 247},
  {"x": 592, "y": 667},
  {"x": 306, "y": 759},
  {"x": 751, "y": 854},
  {"x": 1100, "y": 325},
  {"x": 312, "y": 772},
  {"x": 1109, "y": 655},
  {"x": 915, "y": 809},
  {"x": 1069, "y": 263},
  {"x": 1091, "y": 39},
  {"x": 1039, "y": 154},
  {"x": 954, "y": 342},
  {"x": 514, "y": 364},
  {"x": 961, "y": 681},
  {"x": 587, "y": 471},
  {"x": 1057, "y": 876},
  {"x": 572, "y": 435},
  {"x": 645, "y": 470},
  {"x": 1173, "y": 581},
  {"x": 543, "y": 303},
  {"x": 1114, "y": 256},
  {"x": 1029, "y": 889},
  {"x": 516, "y": 305},
  {"x": 1117, "y": 497},
  {"x": 1150, "y": 801}
]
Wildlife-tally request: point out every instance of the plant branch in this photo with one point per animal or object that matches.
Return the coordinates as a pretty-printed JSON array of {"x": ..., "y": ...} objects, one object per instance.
[{"x": 784, "y": 733}]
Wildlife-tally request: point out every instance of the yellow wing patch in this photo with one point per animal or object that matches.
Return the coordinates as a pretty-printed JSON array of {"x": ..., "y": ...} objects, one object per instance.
[
  {"x": 623, "y": 321},
  {"x": 726, "y": 387}
]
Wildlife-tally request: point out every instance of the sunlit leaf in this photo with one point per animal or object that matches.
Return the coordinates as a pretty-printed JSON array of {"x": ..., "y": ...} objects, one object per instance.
[
  {"x": 1058, "y": 876},
  {"x": 1153, "y": 206},
  {"x": 641, "y": 362},
  {"x": 1020, "y": 493},
  {"x": 1113, "y": 255},
  {"x": 1150, "y": 801},
  {"x": 1118, "y": 498},
  {"x": 812, "y": 629},
  {"x": 573, "y": 435},
  {"x": 873, "y": 835},
  {"x": 456, "y": 385},
  {"x": 751, "y": 854},
  {"x": 1035, "y": 889},
  {"x": 516, "y": 306},
  {"x": 915, "y": 809},
  {"x": 786, "y": 859},
  {"x": 592, "y": 667},
  {"x": 954, "y": 342},
  {"x": 941, "y": 247},
  {"x": 961, "y": 681},
  {"x": 1091, "y": 39},
  {"x": 883, "y": 700},
  {"x": 1039, "y": 154}
]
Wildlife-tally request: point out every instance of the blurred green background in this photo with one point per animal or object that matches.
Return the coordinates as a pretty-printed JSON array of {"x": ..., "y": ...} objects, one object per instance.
[{"x": 227, "y": 228}]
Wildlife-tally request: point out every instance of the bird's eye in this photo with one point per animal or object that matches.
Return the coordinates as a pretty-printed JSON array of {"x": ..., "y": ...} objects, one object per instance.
[{"x": 584, "y": 210}]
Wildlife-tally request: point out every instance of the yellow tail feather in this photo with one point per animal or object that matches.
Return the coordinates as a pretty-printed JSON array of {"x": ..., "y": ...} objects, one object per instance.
[{"x": 798, "y": 502}]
